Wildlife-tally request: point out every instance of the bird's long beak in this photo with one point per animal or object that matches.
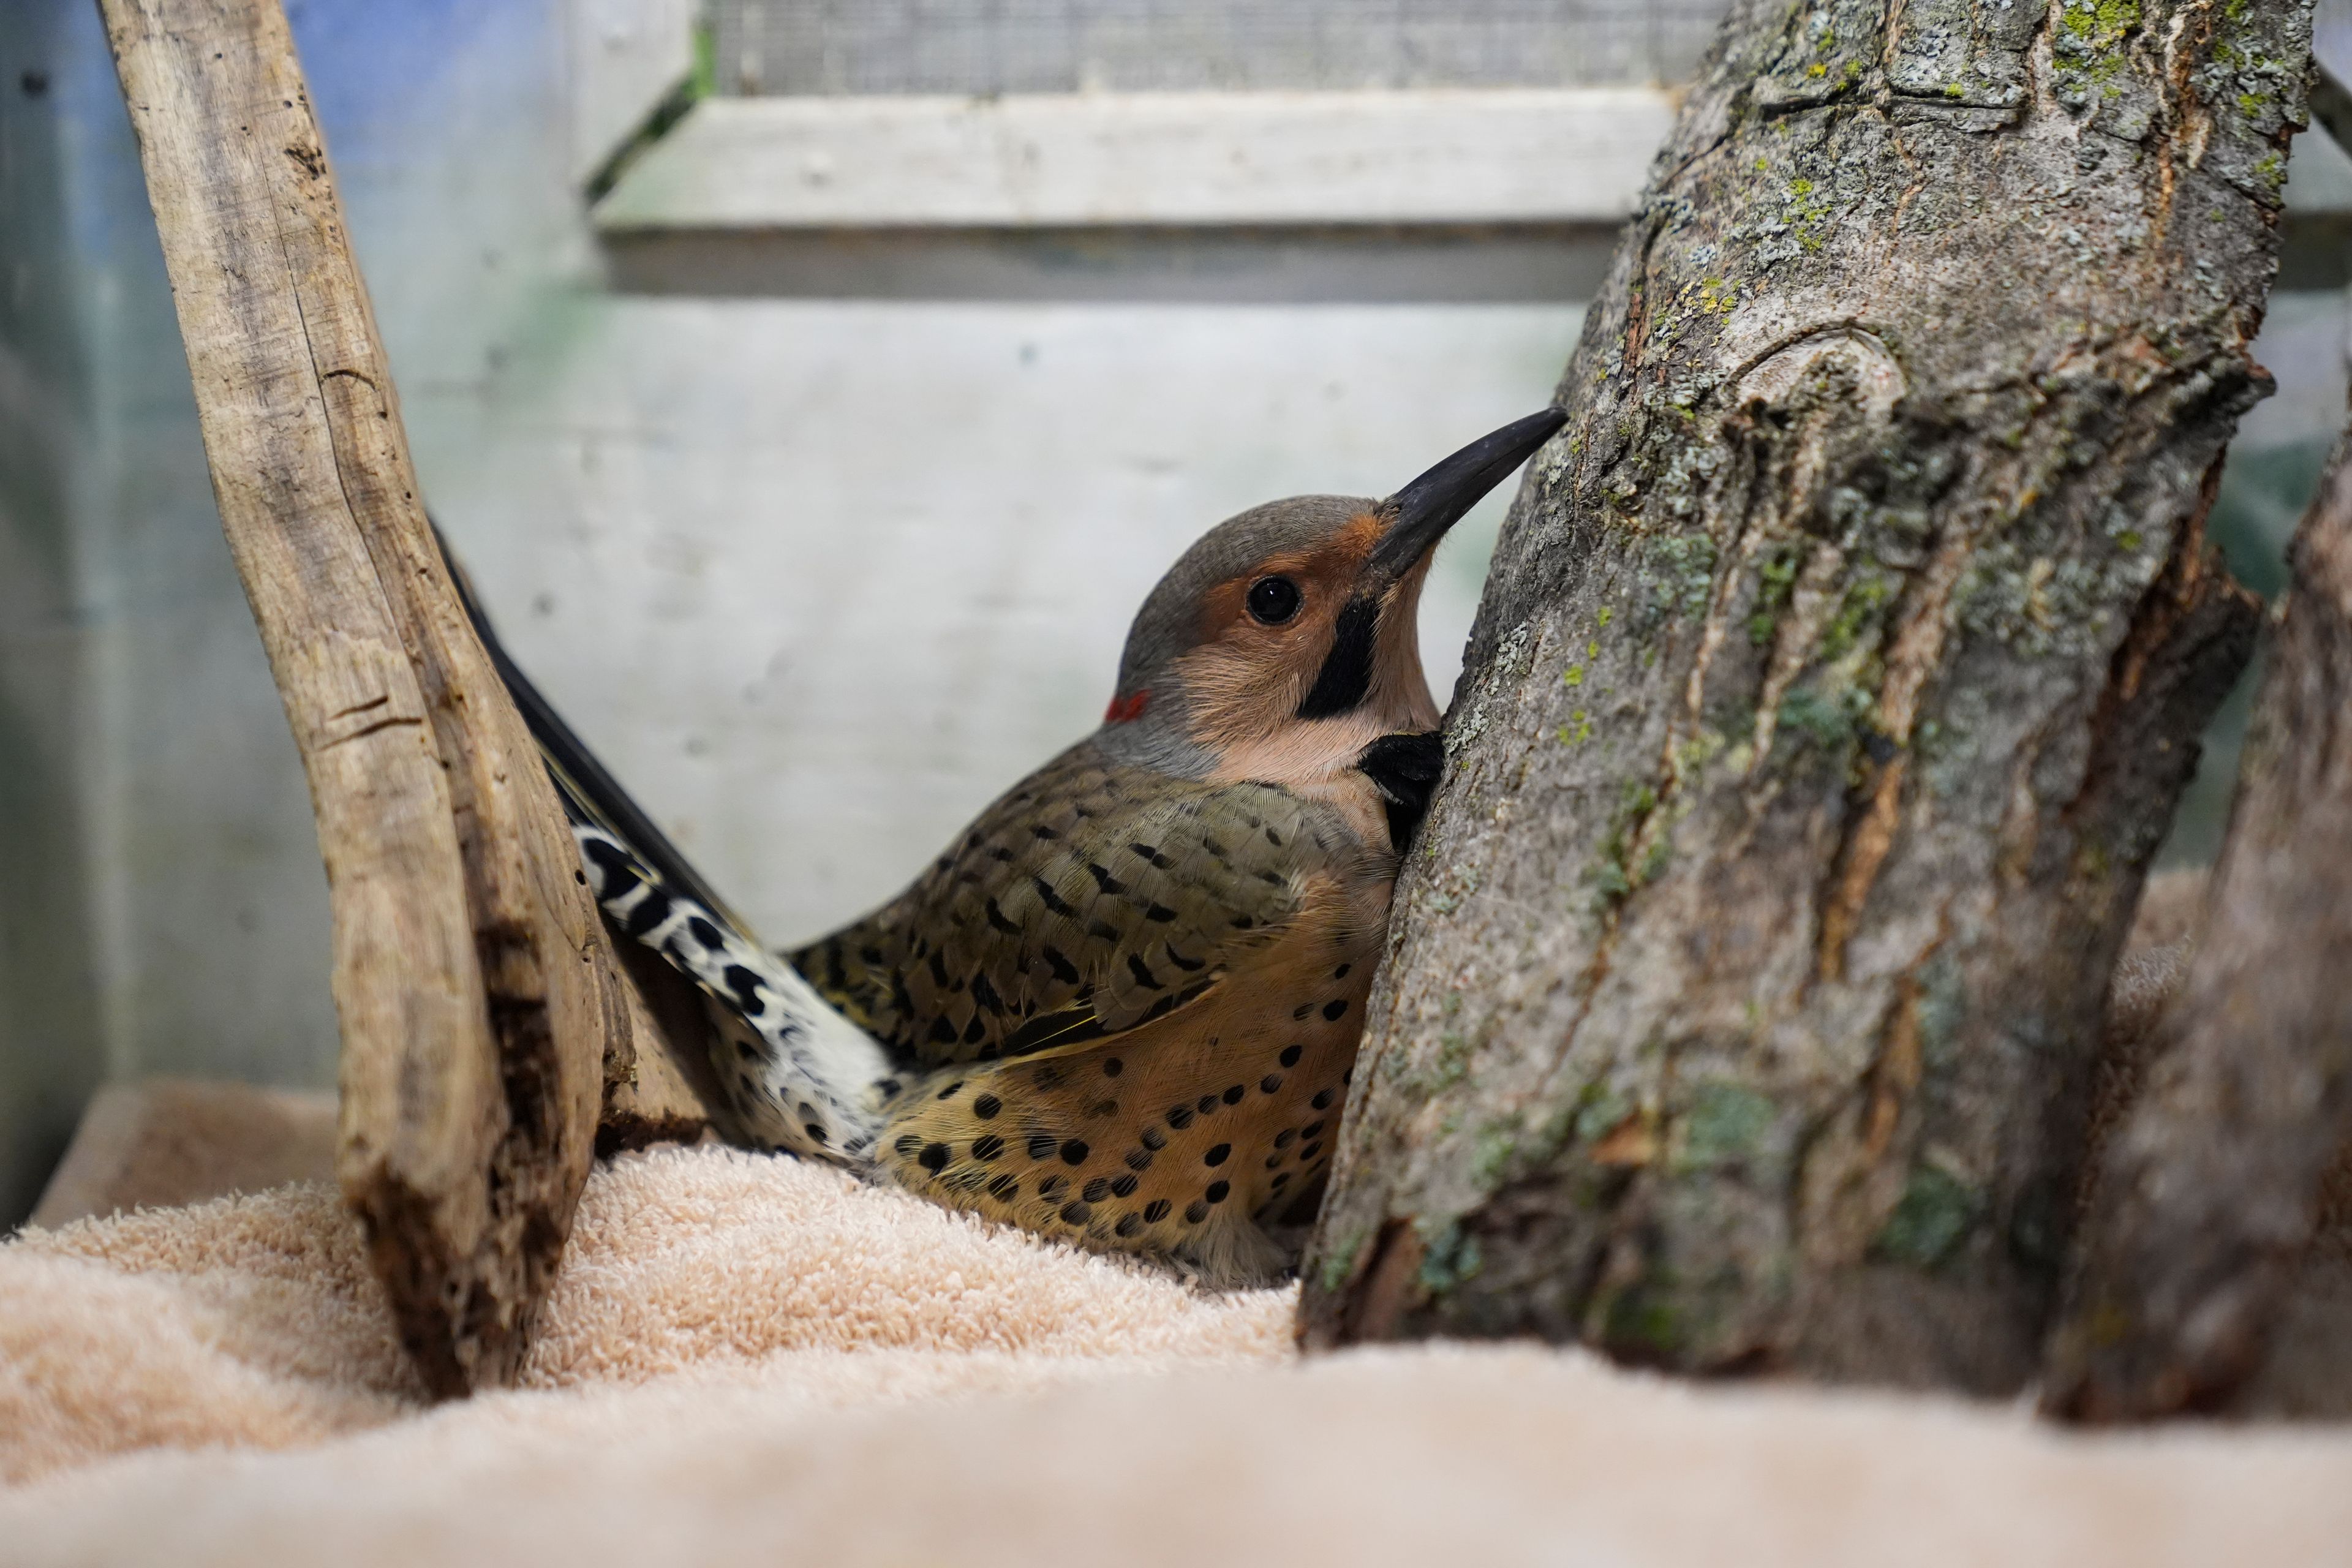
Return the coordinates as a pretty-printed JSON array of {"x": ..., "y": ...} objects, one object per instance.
[{"x": 1422, "y": 511}]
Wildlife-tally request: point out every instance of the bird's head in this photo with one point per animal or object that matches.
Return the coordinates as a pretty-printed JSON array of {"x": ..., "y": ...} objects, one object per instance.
[{"x": 1285, "y": 640}]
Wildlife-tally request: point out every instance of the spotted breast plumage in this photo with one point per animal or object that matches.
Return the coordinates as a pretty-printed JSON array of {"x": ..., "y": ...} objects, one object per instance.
[{"x": 1122, "y": 1007}]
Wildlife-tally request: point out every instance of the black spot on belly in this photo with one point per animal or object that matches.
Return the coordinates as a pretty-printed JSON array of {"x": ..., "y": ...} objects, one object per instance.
[
  {"x": 934, "y": 1157},
  {"x": 1217, "y": 1191},
  {"x": 1129, "y": 1223},
  {"x": 1052, "y": 1188},
  {"x": 1074, "y": 1153},
  {"x": 1156, "y": 1210},
  {"x": 908, "y": 1142},
  {"x": 1153, "y": 1139},
  {"x": 1233, "y": 1095},
  {"x": 1180, "y": 1118},
  {"x": 1138, "y": 1158},
  {"x": 1195, "y": 1212},
  {"x": 1331, "y": 1010},
  {"x": 1290, "y": 1055},
  {"x": 1312, "y": 1129},
  {"x": 704, "y": 932},
  {"x": 1004, "y": 1189},
  {"x": 1124, "y": 1187},
  {"x": 1270, "y": 1082},
  {"x": 1301, "y": 1010},
  {"x": 1322, "y": 1100},
  {"x": 815, "y": 1134},
  {"x": 1217, "y": 1155},
  {"x": 987, "y": 1147},
  {"x": 1042, "y": 1145},
  {"x": 986, "y": 1107},
  {"x": 1341, "y": 973},
  {"x": 1113, "y": 1067},
  {"x": 1282, "y": 1181},
  {"x": 1095, "y": 1190},
  {"x": 1307, "y": 1154},
  {"x": 950, "y": 1092},
  {"x": 1206, "y": 1104},
  {"x": 1077, "y": 1212}
]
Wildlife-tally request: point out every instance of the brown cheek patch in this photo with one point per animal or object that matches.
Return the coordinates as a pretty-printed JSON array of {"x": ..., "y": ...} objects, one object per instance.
[
  {"x": 1326, "y": 573},
  {"x": 1244, "y": 677}
]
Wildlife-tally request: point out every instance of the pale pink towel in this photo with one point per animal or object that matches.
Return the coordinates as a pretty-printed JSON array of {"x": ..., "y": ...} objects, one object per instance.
[{"x": 752, "y": 1360}]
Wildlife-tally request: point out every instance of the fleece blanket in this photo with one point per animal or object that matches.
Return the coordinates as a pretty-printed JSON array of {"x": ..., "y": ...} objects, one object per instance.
[{"x": 755, "y": 1360}]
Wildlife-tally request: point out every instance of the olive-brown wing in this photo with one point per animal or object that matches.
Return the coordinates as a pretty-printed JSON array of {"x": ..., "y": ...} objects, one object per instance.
[{"x": 1106, "y": 898}]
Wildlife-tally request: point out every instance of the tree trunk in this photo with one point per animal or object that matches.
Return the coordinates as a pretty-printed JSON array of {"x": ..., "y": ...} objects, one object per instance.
[
  {"x": 2210, "y": 1195},
  {"x": 1836, "y": 676}
]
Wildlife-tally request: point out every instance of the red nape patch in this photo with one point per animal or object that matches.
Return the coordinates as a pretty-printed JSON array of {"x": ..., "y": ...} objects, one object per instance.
[{"x": 1127, "y": 709}]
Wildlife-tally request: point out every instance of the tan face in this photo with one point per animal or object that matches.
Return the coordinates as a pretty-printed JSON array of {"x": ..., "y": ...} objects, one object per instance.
[{"x": 1268, "y": 637}]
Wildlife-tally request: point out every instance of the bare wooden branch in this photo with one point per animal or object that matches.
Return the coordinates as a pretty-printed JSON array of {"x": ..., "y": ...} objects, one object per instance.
[
  {"x": 2211, "y": 1194},
  {"x": 477, "y": 991},
  {"x": 1836, "y": 675}
]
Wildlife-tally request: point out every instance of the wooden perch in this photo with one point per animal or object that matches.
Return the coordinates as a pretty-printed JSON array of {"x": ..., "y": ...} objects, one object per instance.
[
  {"x": 2211, "y": 1194},
  {"x": 482, "y": 1012}
]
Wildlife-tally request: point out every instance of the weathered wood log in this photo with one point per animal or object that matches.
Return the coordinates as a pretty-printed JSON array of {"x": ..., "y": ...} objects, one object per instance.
[
  {"x": 478, "y": 994},
  {"x": 1837, "y": 673},
  {"x": 2209, "y": 1195}
]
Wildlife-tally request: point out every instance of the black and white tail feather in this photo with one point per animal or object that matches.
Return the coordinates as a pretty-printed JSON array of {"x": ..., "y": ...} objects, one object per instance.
[{"x": 797, "y": 1073}]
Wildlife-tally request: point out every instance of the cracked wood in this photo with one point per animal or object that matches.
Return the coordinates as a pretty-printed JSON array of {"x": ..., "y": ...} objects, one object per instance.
[{"x": 479, "y": 1004}]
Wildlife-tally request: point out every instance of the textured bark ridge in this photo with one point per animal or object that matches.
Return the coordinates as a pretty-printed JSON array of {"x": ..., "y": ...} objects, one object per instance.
[
  {"x": 2211, "y": 1195},
  {"x": 482, "y": 1014},
  {"x": 1836, "y": 676}
]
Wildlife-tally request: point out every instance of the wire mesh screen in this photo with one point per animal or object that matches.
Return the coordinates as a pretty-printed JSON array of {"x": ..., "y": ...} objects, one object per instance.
[{"x": 1064, "y": 45}]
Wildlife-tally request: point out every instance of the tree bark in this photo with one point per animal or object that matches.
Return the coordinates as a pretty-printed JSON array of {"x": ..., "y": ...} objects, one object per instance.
[
  {"x": 2208, "y": 1199},
  {"x": 481, "y": 1011},
  {"x": 1837, "y": 673}
]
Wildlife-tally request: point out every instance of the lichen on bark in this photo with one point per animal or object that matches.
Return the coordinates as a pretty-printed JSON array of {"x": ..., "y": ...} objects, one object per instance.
[{"x": 1836, "y": 675}]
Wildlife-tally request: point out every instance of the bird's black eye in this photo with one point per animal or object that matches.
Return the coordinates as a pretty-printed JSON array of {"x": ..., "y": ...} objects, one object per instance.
[{"x": 1274, "y": 600}]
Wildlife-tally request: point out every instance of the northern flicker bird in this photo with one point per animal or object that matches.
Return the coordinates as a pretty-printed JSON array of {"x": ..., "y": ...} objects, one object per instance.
[{"x": 1122, "y": 1007}]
